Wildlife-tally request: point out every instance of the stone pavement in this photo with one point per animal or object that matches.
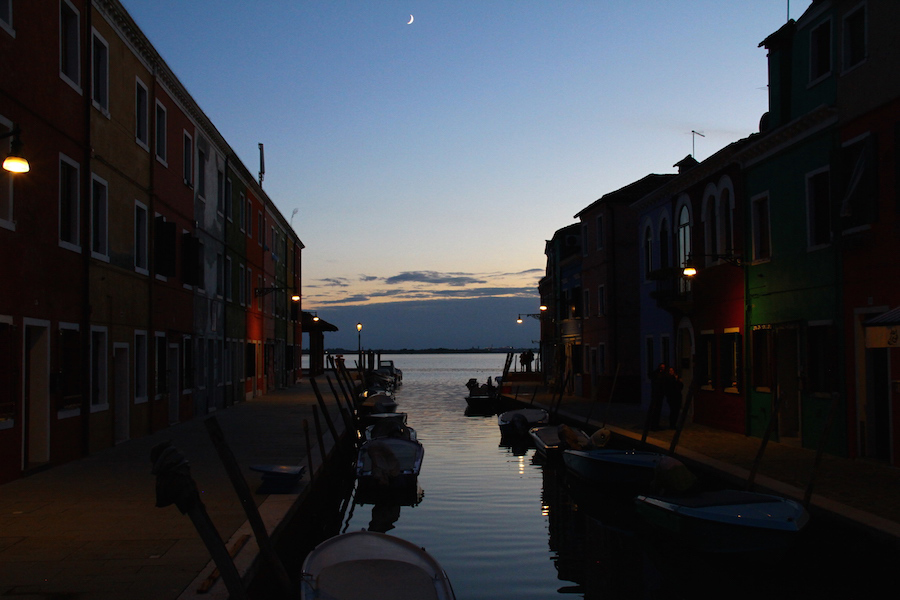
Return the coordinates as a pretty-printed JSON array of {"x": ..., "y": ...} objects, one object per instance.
[
  {"x": 89, "y": 529},
  {"x": 865, "y": 493}
]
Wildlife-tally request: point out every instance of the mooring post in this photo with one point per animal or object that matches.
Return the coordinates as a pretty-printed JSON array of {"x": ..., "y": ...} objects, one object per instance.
[
  {"x": 348, "y": 417},
  {"x": 174, "y": 485},
  {"x": 309, "y": 460},
  {"x": 320, "y": 436},
  {"x": 324, "y": 407},
  {"x": 250, "y": 509}
]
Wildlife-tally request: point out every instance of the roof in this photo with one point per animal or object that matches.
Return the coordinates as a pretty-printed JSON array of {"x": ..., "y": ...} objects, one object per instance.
[
  {"x": 631, "y": 192},
  {"x": 321, "y": 325}
]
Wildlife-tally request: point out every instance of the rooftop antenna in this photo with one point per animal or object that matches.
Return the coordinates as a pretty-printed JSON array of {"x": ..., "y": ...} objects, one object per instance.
[
  {"x": 262, "y": 164},
  {"x": 694, "y": 135},
  {"x": 788, "y": 10}
]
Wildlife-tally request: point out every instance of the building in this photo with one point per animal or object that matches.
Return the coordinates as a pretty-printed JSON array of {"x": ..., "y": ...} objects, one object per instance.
[{"x": 138, "y": 279}]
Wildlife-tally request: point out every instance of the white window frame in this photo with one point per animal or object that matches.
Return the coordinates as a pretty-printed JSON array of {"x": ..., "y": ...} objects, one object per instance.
[
  {"x": 100, "y": 73},
  {"x": 76, "y": 209},
  {"x": 810, "y": 210},
  {"x": 242, "y": 208},
  {"x": 161, "y": 130},
  {"x": 100, "y": 233},
  {"x": 229, "y": 276},
  {"x": 65, "y": 37},
  {"x": 813, "y": 78},
  {"x": 7, "y": 220},
  {"x": 7, "y": 23},
  {"x": 67, "y": 413},
  {"x": 143, "y": 269},
  {"x": 845, "y": 38},
  {"x": 141, "y": 114},
  {"x": 141, "y": 367},
  {"x": 242, "y": 285},
  {"x": 188, "y": 158},
  {"x": 101, "y": 369}
]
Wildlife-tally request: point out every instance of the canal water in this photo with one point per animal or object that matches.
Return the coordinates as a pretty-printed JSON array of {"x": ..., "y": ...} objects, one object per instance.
[{"x": 505, "y": 525}]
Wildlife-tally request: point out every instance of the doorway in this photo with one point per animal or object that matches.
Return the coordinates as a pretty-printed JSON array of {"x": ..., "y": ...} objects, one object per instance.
[
  {"x": 121, "y": 393},
  {"x": 787, "y": 382},
  {"x": 36, "y": 395}
]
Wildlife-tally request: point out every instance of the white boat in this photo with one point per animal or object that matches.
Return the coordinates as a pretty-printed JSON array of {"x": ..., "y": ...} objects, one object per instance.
[
  {"x": 389, "y": 462},
  {"x": 551, "y": 440},
  {"x": 628, "y": 469},
  {"x": 517, "y": 422},
  {"x": 727, "y": 521},
  {"x": 383, "y": 428},
  {"x": 365, "y": 565},
  {"x": 376, "y": 402}
]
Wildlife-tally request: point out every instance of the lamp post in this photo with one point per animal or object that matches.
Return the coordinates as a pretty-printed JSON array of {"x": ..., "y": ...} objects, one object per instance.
[{"x": 359, "y": 342}]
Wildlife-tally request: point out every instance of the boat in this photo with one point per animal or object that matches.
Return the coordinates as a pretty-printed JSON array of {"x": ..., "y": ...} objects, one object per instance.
[
  {"x": 727, "y": 521},
  {"x": 383, "y": 428},
  {"x": 389, "y": 462},
  {"x": 551, "y": 440},
  {"x": 366, "y": 565},
  {"x": 380, "y": 401},
  {"x": 484, "y": 396},
  {"x": 628, "y": 470},
  {"x": 387, "y": 369},
  {"x": 516, "y": 423}
]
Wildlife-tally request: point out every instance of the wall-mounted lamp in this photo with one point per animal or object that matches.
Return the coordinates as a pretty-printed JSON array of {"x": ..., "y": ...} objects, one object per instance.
[
  {"x": 690, "y": 269},
  {"x": 269, "y": 290},
  {"x": 15, "y": 162}
]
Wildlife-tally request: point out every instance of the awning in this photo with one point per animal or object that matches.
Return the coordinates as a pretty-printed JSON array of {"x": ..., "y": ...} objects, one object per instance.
[{"x": 883, "y": 331}]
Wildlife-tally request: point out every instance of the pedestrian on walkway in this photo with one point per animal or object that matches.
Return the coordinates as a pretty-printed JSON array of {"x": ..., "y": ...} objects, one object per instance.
[
  {"x": 674, "y": 386},
  {"x": 658, "y": 380}
]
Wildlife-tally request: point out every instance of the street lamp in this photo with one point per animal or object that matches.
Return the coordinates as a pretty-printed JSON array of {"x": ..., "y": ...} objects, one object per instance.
[
  {"x": 269, "y": 290},
  {"x": 690, "y": 269},
  {"x": 359, "y": 342},
  {"x": 15, "y": 162}
]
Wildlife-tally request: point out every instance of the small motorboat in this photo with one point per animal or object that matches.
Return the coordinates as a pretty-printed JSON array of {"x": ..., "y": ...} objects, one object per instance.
[
  {"x": 628, "y": 469},
  {"x": 482, "y": 397},
  {"x": 727, "y": 521},
  {"x": 516, "y": 423},
  {"x": 551, "y": 440},
  {"x": 376, "y": 402},
  {"x": 389, "y": 462},
  {"x": 365, "y": 565},
  {"x": 383, "y": 428}
]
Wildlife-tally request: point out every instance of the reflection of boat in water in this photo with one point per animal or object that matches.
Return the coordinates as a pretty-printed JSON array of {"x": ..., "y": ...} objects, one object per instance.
[
  {"x": 517, "y": 422},
  {"x": 365, "y": 565},
  {"x": 727, "y": 521},
  {"x": 551, "y": 440}
]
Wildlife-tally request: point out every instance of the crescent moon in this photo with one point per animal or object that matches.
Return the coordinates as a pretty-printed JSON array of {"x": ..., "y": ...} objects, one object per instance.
[{"x": 411, "y": 19}]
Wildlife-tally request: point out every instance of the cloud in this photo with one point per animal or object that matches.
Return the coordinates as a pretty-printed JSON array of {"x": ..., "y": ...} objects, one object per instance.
[
  {"x": 368, "y": 278},
  {"x": 336, "y": 282},
  {"x": 434, "y": 278}
]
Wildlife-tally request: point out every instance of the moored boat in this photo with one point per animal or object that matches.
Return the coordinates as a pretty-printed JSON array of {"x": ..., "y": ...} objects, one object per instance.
[
  {"x": 551, "y": 440},
  {"x": 389, "y": 462},
  {"x": 727, "y": 521},
  {"x": 517, "y": 422},
  {"x": 628, "y": 470},
  {"x": 365, "y": 565}
]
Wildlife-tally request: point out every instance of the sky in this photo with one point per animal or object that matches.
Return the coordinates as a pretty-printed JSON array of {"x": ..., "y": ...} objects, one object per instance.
[{"x": 430, "y": 161}]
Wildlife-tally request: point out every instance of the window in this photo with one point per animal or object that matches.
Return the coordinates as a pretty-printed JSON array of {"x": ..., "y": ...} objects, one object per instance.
[
  {"x": 684, "y": 236},
  {"x": 141, "y": 114},
  {"x": 201, "y": 176},
  {"x": 69, "y": 45},
  {"x": 711, "y": 224},
  {"x": 68, "y": 203},
  {"x": 164, "y": 234},
  {"x": 6, "y": 17},
  {"x": 260, "y": 228},
  {"x": 601, "y": 301},
  {"x": 858, "y": 183},
  {"x": 187, "y": 360},
  {"x": 99, "y": 218},
  {"x": 259, "y": 298},
  {"x": 220, "y": 276},
  {"x": 820, "y": 51},
  {"x": 601, "y": 359},
  {"x": 726, "y": 222},
  {"x": 161, "y": 153},
  {"x": 242, "y": 285},
  {"x": 162, "y": 384},
  {"x": 99, "y": 373},
  {"x": 762, "y": 248},
  {"x": 854, "y": 37},
  {"x": 100, "y": 73},
  {"x": 6, "y": 180},
  {"x": 818, "y": 207},
  {"x": 664, "y": 244},
  {"x": 188, "y": 163},
  {"x": 762, "y": 340},
  {"x": 584, "y": 239},
  {"x": 140, "y": 238},
  {"x": 228, "y": 278},
  {"x": 244, "y": 214},
  {"x": 599, "y": 232},
  {"x": 140, "y": 367},
  {"x": 731, "y": 360},
  {"x": 249, "y": 217},
  {"x": 587, "y": 303},
  {"x": 648, "y": 252},
  {"x": 821, "y": 359},
  {"x": 70, "y": 373},
  {"x": 706, "y": 360},
  {"x": 223, "y": 204}
]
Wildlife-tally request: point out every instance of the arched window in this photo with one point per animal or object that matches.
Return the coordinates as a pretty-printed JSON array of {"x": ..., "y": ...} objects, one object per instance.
[
  {"x": 664, "y": 244},
  {"x": 684, "y": 236},
  {"x": 712, "y": 225},
  {"x": 726, "y": 214}
]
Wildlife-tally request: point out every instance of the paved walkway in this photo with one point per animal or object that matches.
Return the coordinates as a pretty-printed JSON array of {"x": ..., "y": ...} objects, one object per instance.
[
  {"x": 89, "y": 529},
  {"x": 866, "y": 493}
]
